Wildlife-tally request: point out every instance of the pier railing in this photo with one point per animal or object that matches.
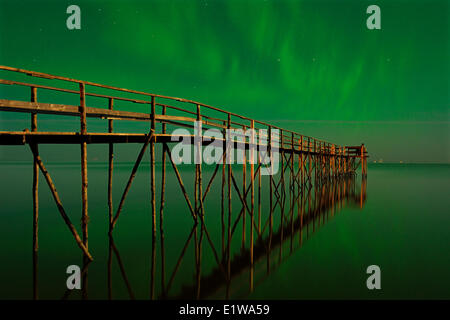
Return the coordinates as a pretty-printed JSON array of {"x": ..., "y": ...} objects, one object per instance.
[
  {"x": 304, "y": 161},
  {"x": 157, "y": 108}
]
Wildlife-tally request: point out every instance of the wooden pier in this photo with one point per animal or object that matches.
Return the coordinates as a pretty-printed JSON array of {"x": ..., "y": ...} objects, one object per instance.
[
  {"x": 305, "y": 162},
  {"x": 315, "y": 206}
]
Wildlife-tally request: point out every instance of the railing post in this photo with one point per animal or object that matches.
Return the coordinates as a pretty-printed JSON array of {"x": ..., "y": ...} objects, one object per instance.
[
  {"x": 363, "y": 162},
  {"x": 309, "y": 162},
  {"x": 84, "y": 178},
  {"x": 345, "y": 160},
  {"x": 153, "y": 192},
  {"x": 301, "y": 161},
  {"x": 315, "y": 160},
  {"x": 110, "y": 166}
]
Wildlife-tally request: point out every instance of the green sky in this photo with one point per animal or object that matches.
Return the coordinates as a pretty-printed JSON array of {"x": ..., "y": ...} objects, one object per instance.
[{"x": 312, "y": 66}]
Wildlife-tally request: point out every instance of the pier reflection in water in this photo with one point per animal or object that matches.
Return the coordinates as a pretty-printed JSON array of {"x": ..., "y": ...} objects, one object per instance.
[{"x": 234, "y": 275}]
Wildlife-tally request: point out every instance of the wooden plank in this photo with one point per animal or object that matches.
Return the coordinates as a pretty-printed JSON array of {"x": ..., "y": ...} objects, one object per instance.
[{"x": 70, "y": 110}]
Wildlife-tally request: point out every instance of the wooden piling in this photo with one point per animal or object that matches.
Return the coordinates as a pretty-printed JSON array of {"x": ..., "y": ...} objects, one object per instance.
[
  {"x": 229, "y": 202},
  {"x": 269, "y": 150},
  {"x": 200, "y": 201},
  {"x": 84, "y": 177},
  {"x": 228, "y": 156},
  {"x": 222, "y": 211},
  {"x": 252, "y": 212},
  {"x": 153, "y": 193},
  {"x": 302, "y": 179},
  {"x": 292, "y": 188},
  {"x": 110, "y": 166},
  {"x": 259, "y": 199},
  {"x": 244, "y": 184},
  {"x": 35, "y": 202},
  {"x": 309, "y": 161},
  {"x": 58, "y": 202},
  {"x": 283, "y": 191},
  {"x": 84, "y": 186},
  {"x": 130, "y": 180},
  {"x": 161, "y": 212},
  {"x": 180, "y": 182}
]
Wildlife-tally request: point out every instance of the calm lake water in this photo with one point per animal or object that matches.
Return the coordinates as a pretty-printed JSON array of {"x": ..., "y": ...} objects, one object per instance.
[{"x": 400, "y": 223}]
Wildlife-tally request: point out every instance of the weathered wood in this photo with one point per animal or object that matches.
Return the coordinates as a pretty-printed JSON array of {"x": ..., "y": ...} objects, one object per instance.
[
  {"x": 110, "y": 167},
  {"x": 244, "y": 204},
  {"x": 229, "y": 208},
  {"x": 180, "y": 182},
  {"x": 35, "y": 178},
  {"x": 84, "y": 178},
  {"x": 252, "y": 208},
  {"x": 259, "y": 200},
  {"x": 199, "y": 200},
  {"x": 130, "y": 180},
  {"x": 317, "y": 155},
  {"x": 69, "y": 110},
  {"x": 152, "y": 168},
  {"x": 72, "y": 91},
  {"x": 222, "y": 207},
  {"x": 58, "y": 202},
  {"x": 282, "y": 193},
  {"x": 35, "y": 203},
  {"x": 244, "y": 184},
  {"x": 128, "y": 91},
  {"x": 161, "y": 213},
  {"x": 269, "y": 149}
]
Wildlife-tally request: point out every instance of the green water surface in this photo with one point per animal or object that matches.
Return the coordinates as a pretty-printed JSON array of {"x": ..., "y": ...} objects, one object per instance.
[{"x": 403, "y": 227}]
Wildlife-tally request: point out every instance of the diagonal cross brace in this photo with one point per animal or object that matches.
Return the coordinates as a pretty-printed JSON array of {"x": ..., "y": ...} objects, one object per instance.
[{"x": 58, "y": 201}]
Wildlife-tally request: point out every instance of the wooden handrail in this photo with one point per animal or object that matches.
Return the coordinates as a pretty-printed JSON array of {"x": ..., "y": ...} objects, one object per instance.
[{"x": 286, "y": 136}]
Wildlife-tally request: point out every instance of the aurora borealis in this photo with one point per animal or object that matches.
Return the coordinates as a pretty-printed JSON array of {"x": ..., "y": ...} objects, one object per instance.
[
  {"x": 313, "y": 230},
  {"x": 311, "y": 66}
]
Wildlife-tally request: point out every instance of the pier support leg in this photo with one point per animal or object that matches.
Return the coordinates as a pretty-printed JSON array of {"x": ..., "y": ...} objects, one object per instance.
[
  {"x": 228, "y": 157},
  {"x": 259, "y": 198},
  {"x": 200, "y": 211},
  {"x": 244, "y": 182},
  {"x": 222, "y": 212},
  {"x": 110, "y": 168},
  {"x": 161, "y": 213},
  {"x": 153, "y": 196},
  {"x": 35, "y": 202},
  {"x": 58, "y": 202},
  {"x": 252, "y": 208},
  {"x": 84, "y": 179},
  {"x": 269, "y": 149}
]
